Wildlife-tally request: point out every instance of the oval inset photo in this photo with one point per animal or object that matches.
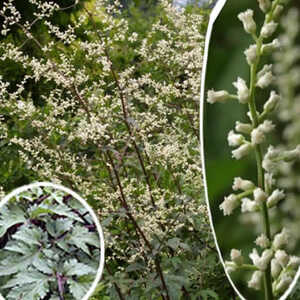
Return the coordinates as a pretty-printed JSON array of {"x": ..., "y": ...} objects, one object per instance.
[
  {"x": 51, "y": 244},
  {"x": 251, "y": 138}
]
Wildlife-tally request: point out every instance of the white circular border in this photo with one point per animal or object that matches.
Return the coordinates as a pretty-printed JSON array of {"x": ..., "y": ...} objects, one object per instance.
[{"x": 86, "y": 205}]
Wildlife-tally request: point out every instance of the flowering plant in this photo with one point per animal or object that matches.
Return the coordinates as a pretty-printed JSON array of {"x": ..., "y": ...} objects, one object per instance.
[
  {"x": 270, "y": 263},
  {"x": 108, "y": 106}
]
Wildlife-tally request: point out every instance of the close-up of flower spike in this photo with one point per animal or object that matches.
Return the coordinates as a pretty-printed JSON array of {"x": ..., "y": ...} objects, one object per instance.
[{"x": 273, "y": 269}]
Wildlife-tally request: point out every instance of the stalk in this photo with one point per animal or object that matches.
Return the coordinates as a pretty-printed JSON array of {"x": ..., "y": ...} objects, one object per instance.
[{"x": 260, "y": 171}]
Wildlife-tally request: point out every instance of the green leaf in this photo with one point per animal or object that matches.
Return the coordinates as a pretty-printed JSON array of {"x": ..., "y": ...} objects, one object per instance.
[
  {"x": 18, "y": 247},
  {"x": 63, "y": 245},
  {"x": 29, "y": 235},
  {"x": 26, "y": 277},
  {"x": 58, "y": 196},
  {"x": 37, "y": 191},
  {"x": 39, "y": 211},
  {"x": 135, "y": 267},
  {"x": 52, "y": 253},
  {"x": 37, "y": 289},
  {"x": 75, "y": 268},
  {"x": 14, "y": 264},
  {"x": 9, "y": 216},
  {"x": 42, "y": 264},
  {"x": 58, "y": 227},
  {"x": 61, "y": 210},
  {"x": 79, "y": 289},
  {"x": 25, "y": 195},
  {"x": 81, "y": 237},
  {"x": 208, "y": 294},
  {"x": 174, "y": 243}
]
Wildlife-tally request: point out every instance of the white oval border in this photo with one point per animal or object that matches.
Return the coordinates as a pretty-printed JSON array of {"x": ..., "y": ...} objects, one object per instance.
[
  {"x": 86, "y": 205},
  {"x": 212, "y": 18}
]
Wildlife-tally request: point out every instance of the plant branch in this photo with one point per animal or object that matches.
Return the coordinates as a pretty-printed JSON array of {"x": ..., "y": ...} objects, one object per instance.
[
  {"x": 260, "y": 172},
  {"x": 124, "y": 110},
  {"x": 131, "y": 217}
]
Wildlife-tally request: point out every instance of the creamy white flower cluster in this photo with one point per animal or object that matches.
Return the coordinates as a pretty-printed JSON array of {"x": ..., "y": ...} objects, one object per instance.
[
  {"x": 287, "y": 69},
  {"x": 283, "y": 266},
  {"x": 271, "y": 262},
  {"x": 259, "y": 196}
]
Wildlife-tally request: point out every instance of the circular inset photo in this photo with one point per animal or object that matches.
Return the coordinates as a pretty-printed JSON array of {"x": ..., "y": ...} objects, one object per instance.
[{"x": 51, "y": 244}]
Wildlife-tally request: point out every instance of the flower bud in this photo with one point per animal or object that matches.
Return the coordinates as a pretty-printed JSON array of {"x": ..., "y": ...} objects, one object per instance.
[
  {"x": 243, "y": 92},
  {"x": 282, "y": 257},
  {"x": 272, "y": 102},
  {"x": 217, "y": 96},
  {"x": 264, "y": 5},
  {"x": 269, "y": 163},
  {"x": 243, "y": 127},
  {"x": 234, "y": 139},
  {"x": 268, "y": 29},
  {"x": 292, "y": 154},
  {"x": 247, "y": 20},
  {"x": 242, "y": 184},
  {"x": 230, "y": 266},
  {"x": 255, "y": 281},
  {"x": 263, "y": 261},
  {"x": 267, "y": 126},
  {"x": 280, "y": 239},
  {"x": 275, "y": 197},
  {"x": 236, "y": 257},
  {"x": 259, "y": 196},
  {"x": 242, "y": 151},
  {"x": 294, "y": 262},
  {"x": 265, "y": 80},
  {"x": 264, "y": 70},
  {"x": 262, "y": 241},
  {"x": 229, "y": 204},
  {"x": 267, "y": 255},
  {"x": 257, "y": 136},
  {"x": 269, "y": 180},
  {"x": 277, "y": 11},
  {"x": 264, "y": 76},
  {"x": 248, "y": 205},
  {"x": 275, "y": 268},
  {"x": 283, "y": 284},
  {"x": 251, "y": 54},
  {"x": 270, "y": 47}
]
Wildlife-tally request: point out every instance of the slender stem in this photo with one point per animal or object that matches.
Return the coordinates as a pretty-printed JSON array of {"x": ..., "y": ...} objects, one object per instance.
[
  {"x": 248, "y": 267},
  {"x": 124, "y": 109},
  {"x": 138, "y": 228},
  {"x": 244, "y": 194},
  {"x": 260, "y": 171}
]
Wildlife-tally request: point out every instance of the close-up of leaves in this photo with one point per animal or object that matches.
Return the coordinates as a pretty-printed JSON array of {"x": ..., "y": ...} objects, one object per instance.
[{"x": 49, "y": 246}]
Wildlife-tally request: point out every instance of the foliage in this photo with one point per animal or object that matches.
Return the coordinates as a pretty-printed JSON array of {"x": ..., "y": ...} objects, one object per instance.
[
  {"x": 116, "y": 118},
  {"x": 49, "y": 247}
]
